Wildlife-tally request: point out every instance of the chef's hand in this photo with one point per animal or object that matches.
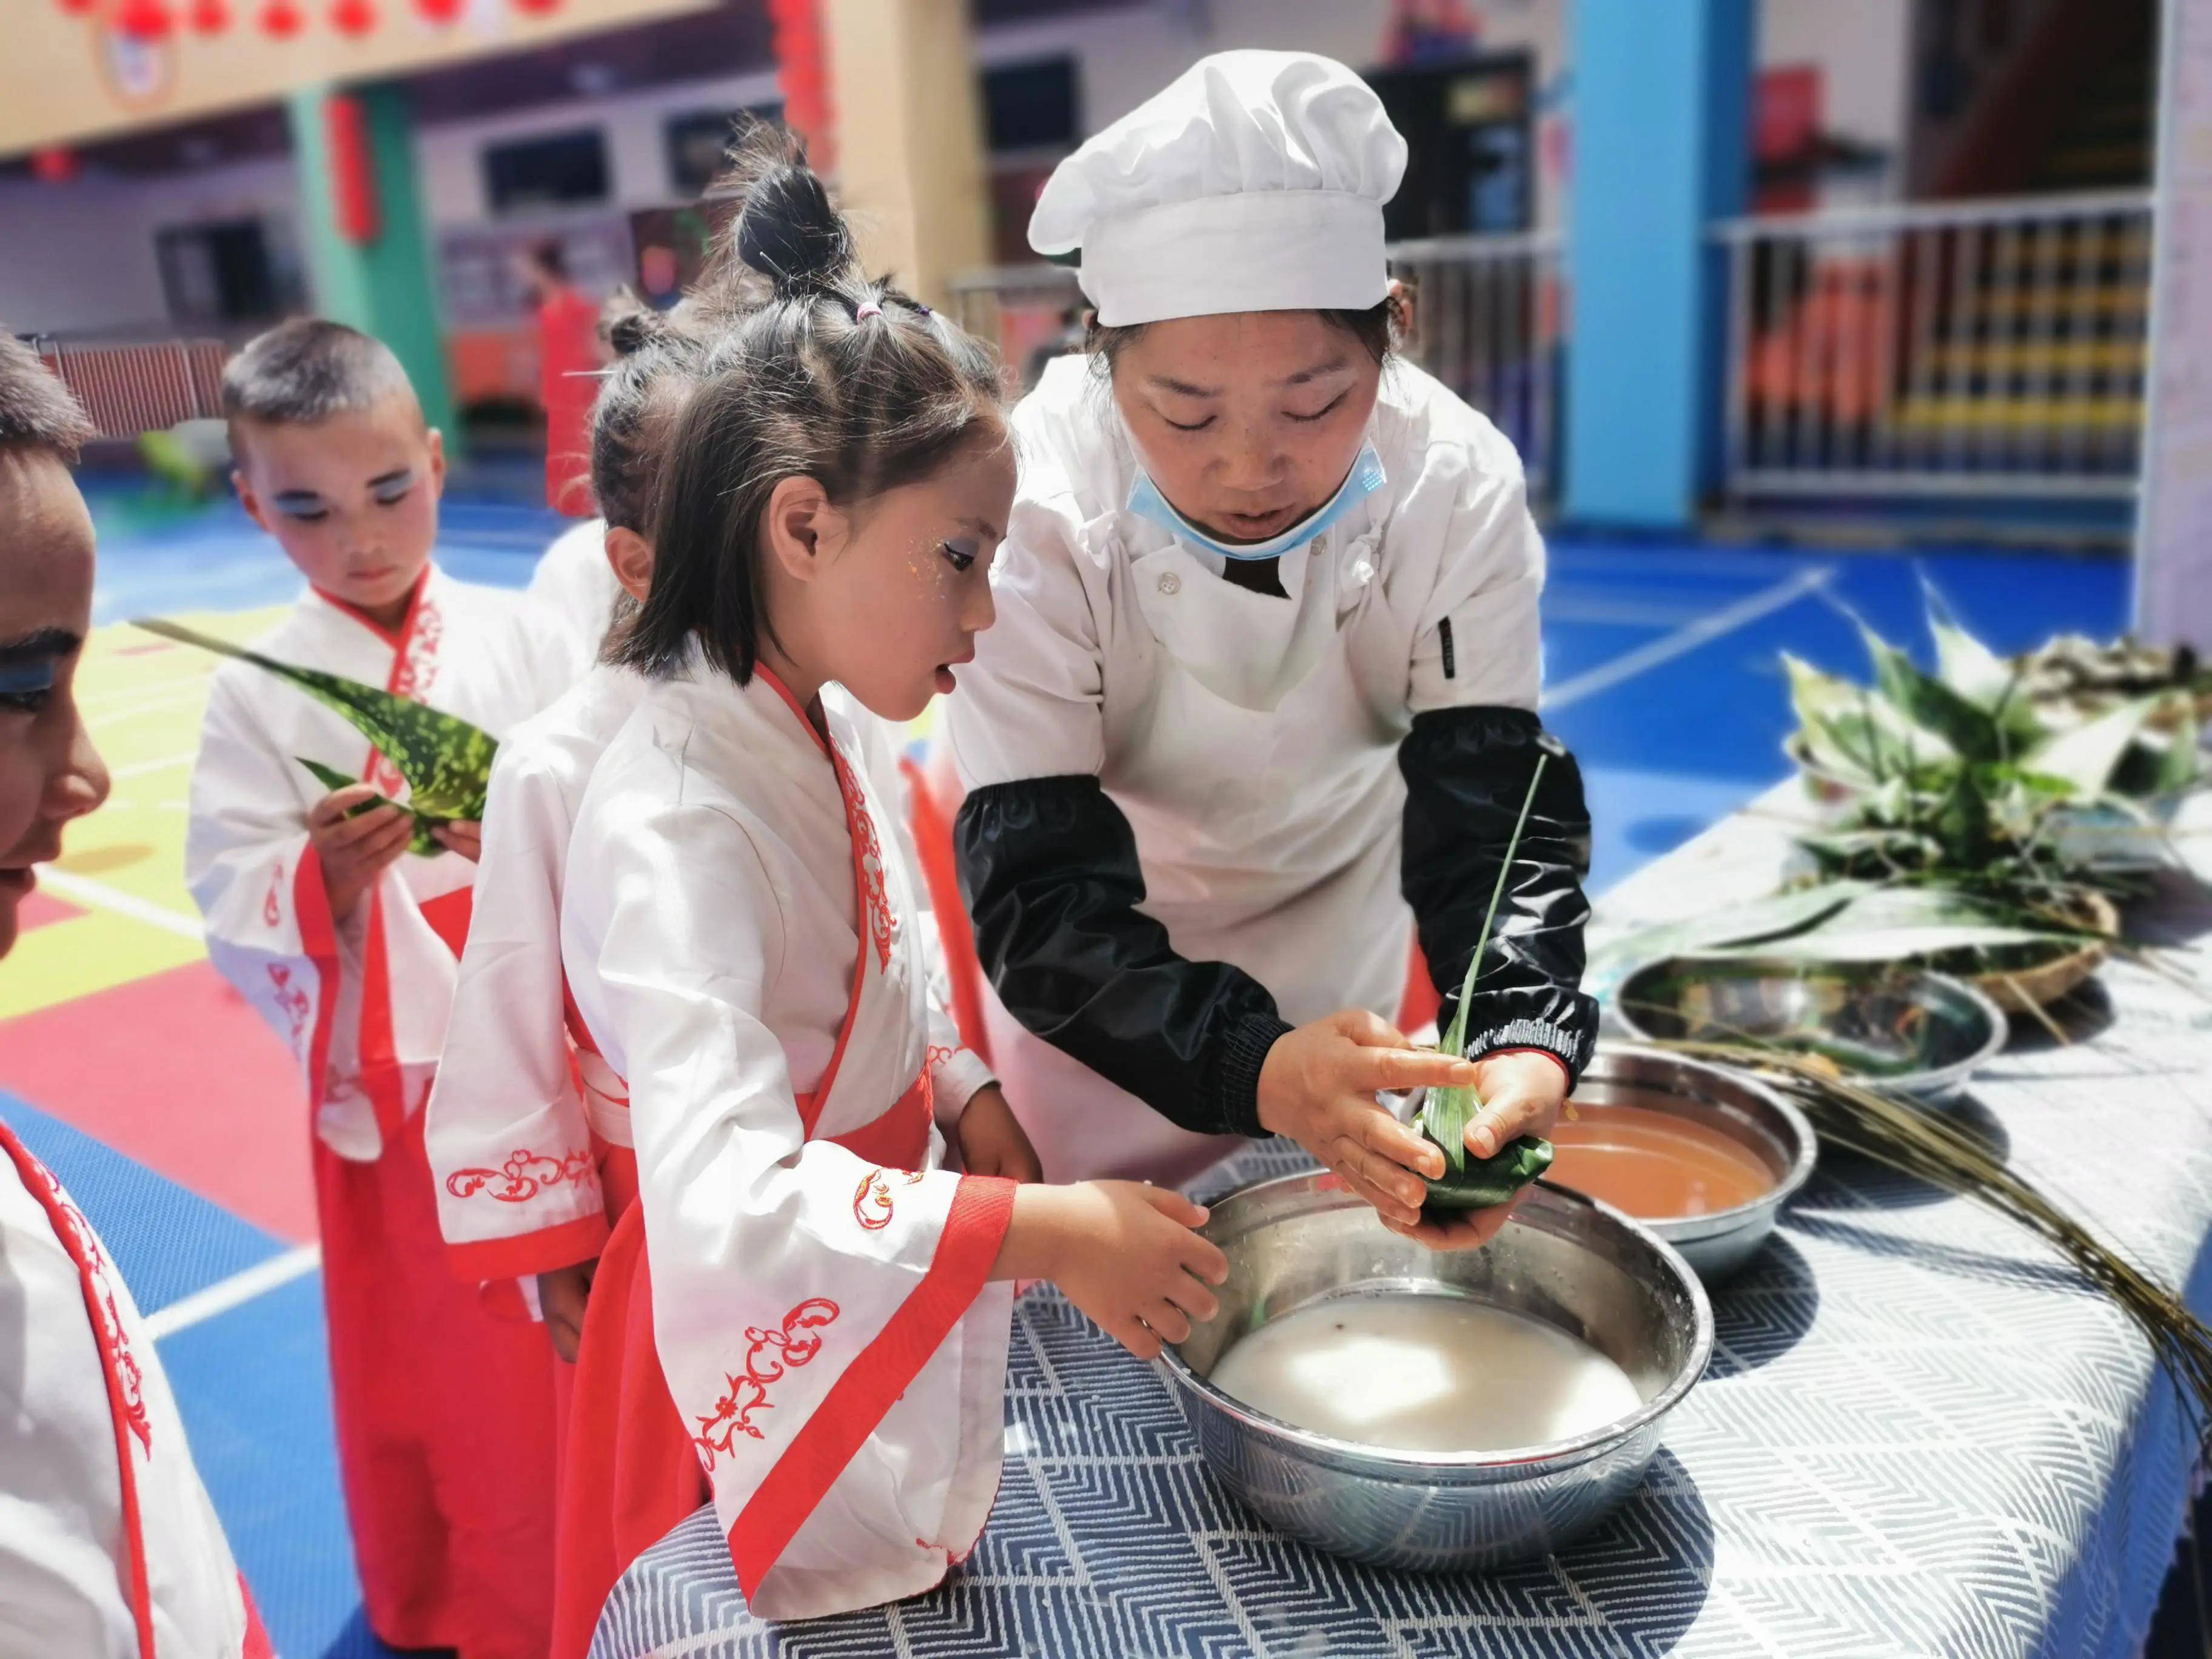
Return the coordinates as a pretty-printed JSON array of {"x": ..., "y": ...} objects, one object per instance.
[
  {"x": 992, "y": 1140},
  {"x": 462, "y": 837},
  {"x": 1523, "y": 1094},
  {"x": 1123, "y": 1251},
  {"x": 354, "y": 851},
  {"x": 1318, "y": 1086},
  {"x": 562, "y": 1295}
]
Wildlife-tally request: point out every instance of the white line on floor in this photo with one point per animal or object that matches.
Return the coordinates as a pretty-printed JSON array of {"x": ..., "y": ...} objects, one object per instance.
[
  {"x": 83, "y": 890},
  {"x": 240, "y": 1288},
  {"x": 1705, "y": 629},
  {"x": 139, "y": 768}
]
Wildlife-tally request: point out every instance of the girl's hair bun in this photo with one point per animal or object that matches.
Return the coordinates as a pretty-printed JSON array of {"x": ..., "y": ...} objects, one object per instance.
[
  {"x": 791, "y": 232},
  {"x": 628, "y": 326}
]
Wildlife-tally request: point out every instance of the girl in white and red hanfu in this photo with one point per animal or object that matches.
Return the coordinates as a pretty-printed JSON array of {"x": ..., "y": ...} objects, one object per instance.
[
  {"x": 444, "y": 1413},
  {"x": 828, "y": 1302},
  {"x": 522, "y": 1121},
  {"x": 109, "y": 1548}
]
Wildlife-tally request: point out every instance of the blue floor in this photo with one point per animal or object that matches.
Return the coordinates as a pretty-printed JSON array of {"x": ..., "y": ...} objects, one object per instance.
[{"x": 1663, "y": 661}]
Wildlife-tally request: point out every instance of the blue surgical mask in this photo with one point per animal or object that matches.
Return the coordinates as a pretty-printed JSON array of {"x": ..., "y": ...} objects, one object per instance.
[{"x": 1365, "y": 478}]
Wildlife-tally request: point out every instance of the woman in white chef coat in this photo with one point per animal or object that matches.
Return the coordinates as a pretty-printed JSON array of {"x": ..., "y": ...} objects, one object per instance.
[{"x": 1262, "y": 694}]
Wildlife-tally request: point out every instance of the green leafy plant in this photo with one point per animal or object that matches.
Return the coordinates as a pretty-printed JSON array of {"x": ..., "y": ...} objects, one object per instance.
[
  {"x": 1475, "y": 1183},
  {"x": 1963, "y": 778},
  {"x": 446, "y": 761}
]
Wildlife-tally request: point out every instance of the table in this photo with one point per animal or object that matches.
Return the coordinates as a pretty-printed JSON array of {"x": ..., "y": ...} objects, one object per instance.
[{"x": 1919, "y": 1434}]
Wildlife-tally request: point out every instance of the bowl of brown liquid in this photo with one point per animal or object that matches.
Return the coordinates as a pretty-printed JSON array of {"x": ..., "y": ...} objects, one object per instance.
[{"x": 1705, "y": 1158}]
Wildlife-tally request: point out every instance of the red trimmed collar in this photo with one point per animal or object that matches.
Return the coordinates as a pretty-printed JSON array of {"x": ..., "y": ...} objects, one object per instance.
[{"x": 391, "y": 636}]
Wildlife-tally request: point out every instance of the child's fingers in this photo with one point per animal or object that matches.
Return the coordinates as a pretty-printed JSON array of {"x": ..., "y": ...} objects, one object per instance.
[
  {"x": 1203, "y": 1257},
  {"x": 1134, "y": 1336},
  {"x": 1168, "y": 1323},
  {"x": 347, "y": 834},
  {"x": 1175, "y": 1207},
  {"x": 335, "y": 805},
  {"x": 1194, "y": 1298}
]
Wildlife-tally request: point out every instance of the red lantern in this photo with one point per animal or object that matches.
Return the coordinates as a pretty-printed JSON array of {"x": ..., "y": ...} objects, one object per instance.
[
  {"x": 281, "y": 19},
  {"x": 537, "y": 8},
  {"x": 355, "y": 201},
  {"x": 78, "y": 8},
  {"x": 795, "y": 39},
  {"x": 439, "y": 11},
  {"x": 353, "y": 18},
  {"x": 145, "y": 19},
  {"x": 53, "y": 167},
  {"x": 210, "y": 16}
]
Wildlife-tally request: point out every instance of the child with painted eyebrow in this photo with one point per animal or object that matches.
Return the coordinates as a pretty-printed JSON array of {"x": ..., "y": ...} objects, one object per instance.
[
  {"x": 345, "y": 940},
  {"x": 107, "y": 1539},
  {"x": 830, "y": 1301}
]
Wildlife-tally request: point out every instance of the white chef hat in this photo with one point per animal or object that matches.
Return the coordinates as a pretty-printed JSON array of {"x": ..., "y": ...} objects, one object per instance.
[{"x": 1253, "y": 181}]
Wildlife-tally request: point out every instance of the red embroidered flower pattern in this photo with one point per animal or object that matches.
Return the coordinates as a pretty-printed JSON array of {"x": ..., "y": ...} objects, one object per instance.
[
  {"x": 869, "y": 851},
  {"x": 296, "y": 1004},
  {"x": 522, "y": 1177},
  {"x": 411, "y": 676},
  {"x": 770, "y": 1353}
]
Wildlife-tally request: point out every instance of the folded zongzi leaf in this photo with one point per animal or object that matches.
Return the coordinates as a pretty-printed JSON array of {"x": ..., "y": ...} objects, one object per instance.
[
  {"x": 446, "y": 761},
  {"x": 1483, "y": 1184}
]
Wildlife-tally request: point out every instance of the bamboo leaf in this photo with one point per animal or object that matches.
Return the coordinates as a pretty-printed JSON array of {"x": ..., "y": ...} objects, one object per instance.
[
  {"x": 1450, "y": 1110},
  {"x": 1967, "y": 730},
  {"x": 2087, "y": 757},
  {"x": 446, "y": 761}
]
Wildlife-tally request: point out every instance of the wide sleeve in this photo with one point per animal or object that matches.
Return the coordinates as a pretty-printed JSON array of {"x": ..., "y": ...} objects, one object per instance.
[
  {"x": 508, "y": 1141},
  {"x": 798, "y": 1292},
  {"x": 1049, "y": 865},
  {"x": 1468, "y": 759},
  {"x": 267, "y": 918}
]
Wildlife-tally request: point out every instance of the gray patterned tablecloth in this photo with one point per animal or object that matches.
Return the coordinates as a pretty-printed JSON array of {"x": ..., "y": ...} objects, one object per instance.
[{"x": 1919, "y": 1434}]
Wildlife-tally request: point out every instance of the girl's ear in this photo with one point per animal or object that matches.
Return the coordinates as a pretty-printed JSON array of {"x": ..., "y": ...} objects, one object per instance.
[
  {"x": 630, "y": 557},
  {"x": 800, "y": 526}
]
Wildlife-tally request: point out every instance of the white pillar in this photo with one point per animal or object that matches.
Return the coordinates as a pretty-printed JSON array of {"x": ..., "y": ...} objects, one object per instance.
[
  {"x": 910, "y": 138},
  {"x": 2173, "y": 541}
]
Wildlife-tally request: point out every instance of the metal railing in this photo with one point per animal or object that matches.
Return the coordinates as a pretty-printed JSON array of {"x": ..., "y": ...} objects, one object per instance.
[
  {"x": 1974, "y": 349},
  {"x": 1488, "y": 320},
  {"x": 128, "y": 387}
]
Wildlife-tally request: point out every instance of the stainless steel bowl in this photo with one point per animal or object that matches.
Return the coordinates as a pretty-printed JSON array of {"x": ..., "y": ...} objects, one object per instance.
[
  {"x": 1904, "y": 1030},
  {"x": 1747, "y": 1111},
  {"x": 1569, "y": 1260}
]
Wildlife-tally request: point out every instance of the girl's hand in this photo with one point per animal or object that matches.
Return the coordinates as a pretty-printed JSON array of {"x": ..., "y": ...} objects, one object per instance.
[
  {"x": 1123, "y": 1252},
  {"x": 562, "y": 1295},
  {"x": 1318, "y": 1086},
  {"x": 466, "y": 839},
  {"x": 354, "y": 851},
  {"x": 993, "y": 1142}
]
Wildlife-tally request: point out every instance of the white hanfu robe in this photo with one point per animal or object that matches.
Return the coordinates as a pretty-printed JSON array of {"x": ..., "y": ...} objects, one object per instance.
[
  {"x": 524, "y": 1110},
  {"x": 748, "y": 959},
  {"x": 514, "y": 1115},
  {"x": 573, "y": 593},
  {"x": 363, "y": 1005},
  {"x": 109, "y": 1548}
]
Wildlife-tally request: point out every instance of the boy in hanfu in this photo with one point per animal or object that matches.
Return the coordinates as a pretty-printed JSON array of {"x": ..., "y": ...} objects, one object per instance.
[{"x": 345, "y": 940}]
